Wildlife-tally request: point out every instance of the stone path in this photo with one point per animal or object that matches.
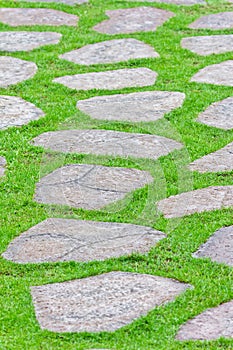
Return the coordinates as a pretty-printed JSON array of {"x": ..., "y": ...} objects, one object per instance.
[
  {"x": 222, "y": 20},
  {"x": 67, "y": 2},
  {"x": 207, "y": 45},
  {"x": 2, "y": 165},
  {"x": 177, "y": 2}
]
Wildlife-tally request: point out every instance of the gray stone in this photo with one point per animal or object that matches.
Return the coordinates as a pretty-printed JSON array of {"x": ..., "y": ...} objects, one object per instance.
[
  {"x": 205, "y": 199},
  {"x": 207, "y": 45},
  {"x": 76, "y": 240},
  {"x": 67, "y": 2},
  {"x": 14, "y": 111},
  {"x": 109, "y": 80},
  {"x": 222, "y": 20},
  {"x": 89, "y": 186},
  {"x": 2, "y": 166},
  {"x": 101, "y": 303},
  {"x": 146, "y": 106},
  {"x": 177, "y": 2},
  {"x": 131, "y": 20}
]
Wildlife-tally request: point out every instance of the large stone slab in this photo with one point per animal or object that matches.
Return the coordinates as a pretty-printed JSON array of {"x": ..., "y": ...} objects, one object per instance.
[
  {"x": 205, "y": 199},
  {"x": 2, "y": 166},
  {"x": 77, "y": 240},
  {"x": 208, "y": 45},
  {"x": 146, "y": 106},
  {"x": 89, "y": 186},
  {"x": 66, "y": 2},
  {"x": 222, "y": 20},
  {"x": 101, "y": 303},
  {"x": 131, "y": 20},
  {"x": 109, "y": 80},
  {"x": 177, "y": 2}
]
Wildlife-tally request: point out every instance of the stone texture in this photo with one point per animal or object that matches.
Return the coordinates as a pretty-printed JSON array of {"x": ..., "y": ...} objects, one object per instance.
[
  {"x": 222, "y": 20},
  {"x": 75, "y": 240},
  {"x": 101, "y": 303},
  {"x": 109, "y": 80},
  {"x": 2, "y": 166},
  {"x": 89, "y": 186},
  {"x": 110, "y": 51},
  {"x": 205, "y": 199},
  {"x": 211, "y": 324},
  {"x": 67, "y": 2},
  {"x": 207, "y": 45},
  {"x": 14, "y": 111},
  {"x": 131, "y": 20},
  {"x": 13, "y": 70},
  {"x": 177, "y": 2},
  {"x": 146, "y": 106}
]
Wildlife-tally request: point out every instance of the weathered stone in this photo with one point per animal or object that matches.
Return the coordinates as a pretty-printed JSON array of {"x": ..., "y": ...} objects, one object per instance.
[
  {"x": 14, "y": 111},
  {"x": 110, "y": 51},
  {"x": 13, "y": 70},
  {"x": 222, "y": 20},
  {"x": 89, "y": 186},
  {"x": 101, "y": 303},
  {"x": 205, "y": 199},
  {"x": 131, "y": 20},
  {"x": 134, "y": 107},
  {"x": 207, "y": 45},
  {"x": 177, "y": 2},
  {"x": 109, "y": 80},
  {"x": 2, "y": 166},
  {"x": 67, "y": 2},
  {"x": 76, "y": 240}
]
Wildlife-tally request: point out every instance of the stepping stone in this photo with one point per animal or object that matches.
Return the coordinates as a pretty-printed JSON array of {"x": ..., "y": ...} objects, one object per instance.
[
  {"x": 14, "y": 111},
  {"x": 207, "y": 45},
  {"x": 89, "y": 186},
  {"x": 211, "y": 324},
  {"x": 66, "y": 2},
  {"x": 13, "y": 70},
  {"x": 131, "y": 20},
  {"x": 27, "y": 41},
  {"x": 101, "y": 303},
  {"x": 222, "y": 20},
  {"x": 134, "y": 107},
  {"x": 110, "y": 51},
  {"x": 75, "y": 240},
  {"x": 177, "y": 2},
  {"x": 36, "y": 16},
  {"x": 2, "y": 164},
  {"x": 109, "y": 80},
  {"x": 198, "y": 201}
]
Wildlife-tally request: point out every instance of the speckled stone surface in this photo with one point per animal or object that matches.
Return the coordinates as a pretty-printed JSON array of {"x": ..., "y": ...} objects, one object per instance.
[
  {"x": 89, "y": 186},
  {"x": 222, "y": 20},
  {"x": 197, "y": 201},
  {"x": 138, "y": 19},
  {"x": 2, "y": 165},
  {"x": 177, "y": 2},
  {"x": 67, "y": 2},
  {"x": 134, "y": 107},
  {"x": 101, "y": 303},
  {"x": 207, "y": 45}
]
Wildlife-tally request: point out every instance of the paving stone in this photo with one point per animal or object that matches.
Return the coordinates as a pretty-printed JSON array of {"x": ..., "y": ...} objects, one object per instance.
[
  {"x": 67, "y": 2},
  {"x": 101, "y": 303},
  {"x": 146, "y": 106},
  {"x": 13, "y": 70},
  {"x": 205, "y": 199},
  {"x": 89, "y": 186},
  {"x": 177, "y": 2},
  {"x": 109, "y": 80},
  {"x": 207, "y": 45},
  {"x": 2, "y": 166},
  {"x": 222, "y": 20},
  {"x": 131, "y": 20},
  {"x": 14, "y": 111}
]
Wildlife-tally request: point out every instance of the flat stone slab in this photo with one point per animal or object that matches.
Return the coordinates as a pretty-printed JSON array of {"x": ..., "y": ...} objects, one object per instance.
[
  {"x": 208, "y": 45},
  {"x": 131, "y": 20},
  {"x": 197, "y": 201},
  {"x": 2, "y": 166},
  {"x": 66, "y": 2},
  {"x": 101, "y": 303},
  {"x": 109, "y": 80},
  {"x": 13, "y": 70},
  {"x": 89, "y": 186},
  {"x": 56, "y": 240},
  {"x": 110, "y": 51},
  {"x": 222, "y": 20},
  {"x": 177, "y": 2},
  {"x": 14, "y": 111},
  {"x": 134, "y": 107}
]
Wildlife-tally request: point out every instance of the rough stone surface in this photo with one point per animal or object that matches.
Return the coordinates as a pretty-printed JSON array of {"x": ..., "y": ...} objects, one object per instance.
[
  {"x": 207, "y": 45},
  {"x": 67, "y": 240},
  {"x": 14, "y": 111},
  {"x": 138, "y": 19},
  {"x": 205, "y": 199},
  {"x": 89, "y": 186},
  {"x": 13, "y": 70},
  {"x": 177, "y": 2},
  {"x": 101, "y": 303},
  {"x": 109, "y": 80},
  {"x": 2, "y": 165},
  {"x": 67, "y": 2},
  {"x": 110, "y": 51},
  {"x": 222, "y": 20},
  {"x": 134, "y": 107}
]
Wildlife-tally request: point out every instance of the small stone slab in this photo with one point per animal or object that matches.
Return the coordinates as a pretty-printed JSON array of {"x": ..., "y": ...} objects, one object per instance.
[
  {"x": 101, "y": 303},
  {"x": 2, "y": 166},
  {"x": 131, "y": 20},
  {"x": 208, "y": 45},
  {"x": 13, "y": 70},
  {"x": 177, "y": 2},
  {"x": 134, "y": 107},
  {"x": 222, "y": 20},
  {"x": 89, "y": 186},
  {"x": 66, "y": 2},
  {"x": 198, "y": 201},
  {"x": 109, "y": 80}
]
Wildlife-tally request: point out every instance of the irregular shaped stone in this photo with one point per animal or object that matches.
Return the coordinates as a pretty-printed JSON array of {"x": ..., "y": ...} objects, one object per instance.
[
  {"x": 222, "y": 20},
  {"x": 205, "y": 199},
  {"x": 89, "y": 186},
  {"x": 177, "y": 2},
  {"x": 14, "y": 111},
  {"x": 146, "y": 106},
  {"x": 207, "y": 45},
  {"x": 13, "y": 70},
  {"x": 66, "y": 2},
  {"x": 211, "y": 324},
  {"x": 77, "y": 240},
  {"x": 101, "y": 303},
  {"x": 109, "y": 80},
  {"x": 110, "y": 51},
  {"x": 2, "y": 165},
  {"x": 131, "y": 20}
]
